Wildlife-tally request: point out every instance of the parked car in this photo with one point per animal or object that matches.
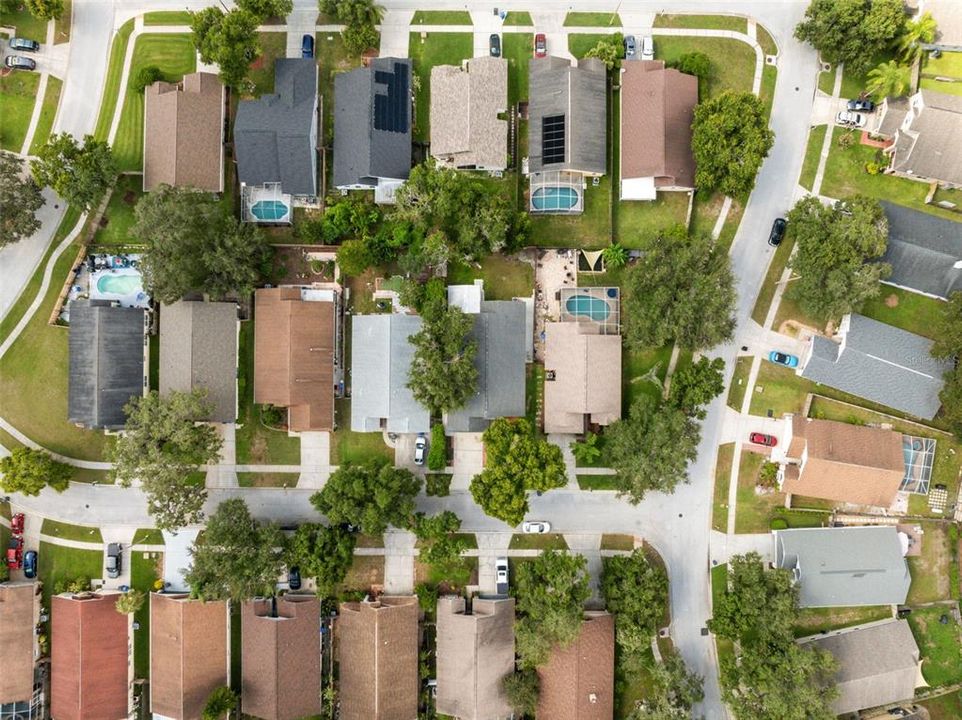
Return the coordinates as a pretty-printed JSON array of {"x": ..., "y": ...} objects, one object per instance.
[
  {"x": 861, "y": 105},
  {"x": 30, "y": 564},
  {"x": 535, "y": 527},
  {"x": 501, "y": 575},
  {"x": 307, "y": 46},
  {"x": 629, "y": 46},
  {"x": 778, "y": 232},
  {"x": 494, "y": 45},
  {"x": 15, "y": 553},
  {"x": 850, "y": 119},
  {"x": 420, "y": 445},
  {"x": 114, "y": 560},
  {"x": 648, "y": 48},
  {"x": 17, "y": 43},
  {"x": 540, "y": 45},
  {"x": 16, "y": 524},
  {"x": 780, "y": 358},
  {"x": 294, "y": 578},
  {"x": 18, "y": 62},
  {"x": 762, "y": 439}
]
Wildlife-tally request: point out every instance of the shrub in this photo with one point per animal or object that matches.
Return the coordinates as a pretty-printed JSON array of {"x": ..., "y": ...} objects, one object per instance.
[
  {"x": 427, "y": 597},
  {"x": 779, "y": 524},
  {"x": 437, "y": 484},
  {"x": 438, "y": 453},
  {"x": 846, "y": 139},
  {"x": 147, "y": 76},
  {"x": 272, "y": 416},
  {"x": 768, "y": 475},
  {"x": 873, "y": 168},
  {"x": 587, "y": 451}
]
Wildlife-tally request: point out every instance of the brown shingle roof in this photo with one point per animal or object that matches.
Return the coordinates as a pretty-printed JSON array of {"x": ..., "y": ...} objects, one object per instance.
[
  {"x": 474, "y": 653},
  {"x": 89, "y": 658},
  {"x": 294, "y": 356},
  {"x": 16, "y": 641},
  {"x": 377, "y": 650},
  {"x": 281, "y": 658},
  {"x": 846, "y": 463},
  {"x": 657, "y": 107},
  {"x": 188, "y": 654},
  {"x": 577, "y": 683},
  {"x": 183, "y": 133}
]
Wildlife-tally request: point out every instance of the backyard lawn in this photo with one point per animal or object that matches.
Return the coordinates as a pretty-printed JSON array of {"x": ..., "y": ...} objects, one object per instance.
[
  {"x": 949, "y": 65},
  {"x": 590, "y": 229},
  {"x": 48, "y": 111},
  {"x": 80, "y": 533},
  {"x": 707, "y": 22},
  {"x": 504, "y": 277},
  {"x": 931, "y": 570},
  {"x": 638, "y": 223},
  {"x": 723, "y": 473},
  {"x": 816, "y": 138},
  {"x": 348, "y": 446},
  {"x": 907, "y": 310},
  {"x": 436, "y": 49},
  {"x": 115, "y": 70},
  {"x": 114, "y": 230},
  {"x": 18, "y": 94},
  {"x": 736, "y": 391},
  {"x": 944, "y": 707},
  {"x": 939, "y": 644},
  {"x": 817, "y": 620},
  {"x": 273, "y": 46}
]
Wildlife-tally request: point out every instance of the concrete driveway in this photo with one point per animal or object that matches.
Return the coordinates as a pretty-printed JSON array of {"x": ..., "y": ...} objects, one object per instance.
[
  {"x": 124, "y": 537},
  {"x": 177, "y": 557}
]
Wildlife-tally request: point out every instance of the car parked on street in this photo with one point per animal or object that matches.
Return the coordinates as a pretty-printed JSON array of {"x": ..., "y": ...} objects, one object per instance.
[
  {"x": 307, "y": 46},
  {"x": 17, "y": 43},
  {"x": 861, "y": 105},
  {"x": 115, "y": 564},
  {"x": 850, "y": 119},
  {"x": 535, "y": 527},
  {"x": 494, "y": 45},
  {"x": 780, "y": 358},
  {"x": 16, "y": 524},
  {"x": 18, "y": 62},
  {"x": 540, "y": 45},
  {"x": 648, "y": 48},
  {"x": 630, "y": 47},
  {"x": 15, "y": 553},
  {"x": 501, "y": 575},
  {"x": 778, "y": 232},
  {"x": 420, "y": 446},
  {"x": 30, "y": 564},
  {"x": 762, "y": 439}
]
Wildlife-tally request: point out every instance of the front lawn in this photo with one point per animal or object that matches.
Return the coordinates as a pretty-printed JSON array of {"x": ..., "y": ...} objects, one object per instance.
[
  {"x": 723, "y": 473},
  {"x": 518, "y": 18},
  {"x": 732, "y": 61},
  {"x": 365, "y": 571},
  {"x": 436, "y": 49},
  {"x": 18, "y": 94},
  {"x": 516, "y": 48},
  {"x": 58, "y": 564},
  {"x": 637, "y": 223},
  {"x": 148, "y": 536},
  {"x": 778, "y": 390},
  {"x": 597, "y": 482},
  {"x": 592, "y": 19},
  {"x": 80, "y": 533},
  {"x": 938, "y": 643},
  {"x": 816, "y": 138},
  {"x": 752, "y": 511},
  {"x": 852, "y": 84},
  {"x": 548, "y": 541},
  {"x": 348, "y": 446},
  {"x": 27, "y": 25},
  {"x": 504, "y": 277},
  {"x": 442, "y": 17},
  {"x": 819, "y": 620},
  {"x": 115, "y": 70},
  {"x": 907, "y": 310},
  {"x": 114, "y": 230},
  {"x": 167, "y": 17},
  {"x": 930, "y": 570},
  {"x": 766, "y": 293},
  {"x": 706, "y": 22},
  {"x": 273, "y": 46},
  {"x": 736, "y": 391},
  {"x": 48, "y": 111}
]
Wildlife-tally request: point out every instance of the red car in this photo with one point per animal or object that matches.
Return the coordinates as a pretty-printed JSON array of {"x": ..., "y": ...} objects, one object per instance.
[
  {"x": 763, "y": 439},
  {"x": 16, "y": 524},
  {"x": 15, "y": 554},
  {"x": 540, "y": 45}
]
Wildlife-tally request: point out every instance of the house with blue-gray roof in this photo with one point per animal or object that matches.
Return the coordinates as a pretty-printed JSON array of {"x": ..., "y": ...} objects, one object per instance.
[{"x": 925, "y": 252}]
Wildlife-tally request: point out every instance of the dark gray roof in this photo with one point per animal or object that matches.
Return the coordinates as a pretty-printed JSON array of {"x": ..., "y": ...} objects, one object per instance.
[
  {"x": 275, "y": 136},
  {"x": 577, "y": 93},
  {"x": 881, "y": 363},
  {"x": 365, "y": 147},
  {"x": 844, "y": 566},
  {"x": 925, "y": 251},
  {"x": 198, "y": 349},
  {"x": 380, "y": 361},
  {"x": 499, "y": 330},
  {"x": 106, "y": 362}
]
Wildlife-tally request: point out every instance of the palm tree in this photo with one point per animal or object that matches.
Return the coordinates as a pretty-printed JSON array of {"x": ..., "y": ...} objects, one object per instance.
[
  {"x": 888, "y": 80},
  {"x": 916, "y": 33}
]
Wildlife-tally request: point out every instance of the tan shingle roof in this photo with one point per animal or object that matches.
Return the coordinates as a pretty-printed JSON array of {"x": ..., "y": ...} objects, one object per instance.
[
  {"x": 932, "y": 146},
  {"x": 577, "y": 683},
  {"x": 188, "y": 654},
  {"x": 16, "y": 641}
]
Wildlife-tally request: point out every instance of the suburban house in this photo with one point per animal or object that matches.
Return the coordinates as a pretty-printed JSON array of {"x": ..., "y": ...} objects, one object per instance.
[
  {"x": 925, "y": 252},
  {"x": 845, "y": 566},
  {"x": 198, "y": 349},
  {"x": 189, "y": 653},
  {"x": 377, "y": 654},
  {"x": 281, "y": 657},
  {"x": 841, "y": 462},
  {"x": 21, "y": 687},
  {"x": 275, "y": 143},
  {"x": 878, "y": 664},
  {"x": 501, "y": 336},
  {"x": 184, "y": 133},
  {"x": 567, "y": 121},
  {"x": 107, "y": 346},
  {"x": 294, "y": 354},
  {"x": 475, "y": 651},
  {"x": 877, "y": 362},
  {"x": 948, "y": 15},
  {"x": 926, "y": 134},
  {"x": 466, "y": 104},
  {"x": 578, "y": 681},
  {"x": 372, "y": 127},
  {"x": 582, "y": 377},
  {"x": 90, "y": 658},
  {"x": 380, "y": 362},
  {"x": 657, "y": 109}
]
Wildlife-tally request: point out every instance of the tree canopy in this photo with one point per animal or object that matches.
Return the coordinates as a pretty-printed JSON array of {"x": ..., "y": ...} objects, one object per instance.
[
  {"x": 20, "y": 199},
  {"x": 695, "y": 386},
  {"x": 757, "y": 600},
  {"x": 674, "y": 690},
  {"x": 443, "y": 376},
  {"x": 609, "y": 49},
  {"x": 264, "y": 9},
  {"x": 323, "y": 553},
  {"x": 45, "y": 9},
  {"x": 440, "y": 545},
  {"x": 360, "y": 18},
  {"x": 369, "y": 496},
  {"x": 522, "y": 690},
  {"x": 682, "y": 291},
  {"x": 948, "y": 346},
  {"x": 227, "y": 39},
  {"x": 889, "y": 79},
  {"x": 28, "y": 471},
  {"x": 78, "y": 172},
  {"x": 130, "y": 602},
  {"x": 636, "y": 593},
  {"x": 730, "y": 139},
  {"x": 220, "y": 702},
  {"x": 838, "y": 253}
]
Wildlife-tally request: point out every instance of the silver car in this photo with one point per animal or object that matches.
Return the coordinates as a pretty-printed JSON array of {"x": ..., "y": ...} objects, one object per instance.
[
  {"x": 114, "y": 560},
  {"x": 850, "y": 119}
]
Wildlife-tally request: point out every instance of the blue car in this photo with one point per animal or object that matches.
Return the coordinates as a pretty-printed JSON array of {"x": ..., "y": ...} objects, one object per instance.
[
  {"x": 307, "y": 46},
  {"x": 780, "y": 358},
  {"x": 30, "y": 564}
]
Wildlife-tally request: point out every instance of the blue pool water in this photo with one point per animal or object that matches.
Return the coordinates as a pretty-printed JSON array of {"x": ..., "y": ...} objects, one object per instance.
[
  {"x": 119, "y": 284},
  {"x": 588, "y": 306},
  {"x": 269, "y": 210},
  {"x": 554, "y": 198}
]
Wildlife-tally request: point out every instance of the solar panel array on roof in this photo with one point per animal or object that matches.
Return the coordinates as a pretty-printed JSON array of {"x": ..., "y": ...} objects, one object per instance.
[
  {"x": 390, "y": 105},
  {"x": 553, "y": 139}
]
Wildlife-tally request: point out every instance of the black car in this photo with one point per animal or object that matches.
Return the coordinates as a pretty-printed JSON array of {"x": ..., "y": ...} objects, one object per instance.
[
  {"x": 30, "y": 564},
  {"x": 294, "y": 578},
  {"x": 24, "y": 44},
  {"x": 17, "y": 62},
  {"x": 861, "y": 105},
  {"x": 778, "y": 232},
  {"x": 494, "y": 45},
  {"x": 307, "y": 46}
]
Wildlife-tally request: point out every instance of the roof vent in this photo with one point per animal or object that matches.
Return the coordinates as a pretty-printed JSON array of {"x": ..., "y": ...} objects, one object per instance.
[{"x": 592, "y": 698}]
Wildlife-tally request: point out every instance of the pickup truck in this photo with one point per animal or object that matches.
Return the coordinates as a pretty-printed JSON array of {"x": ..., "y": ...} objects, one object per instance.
[{"x": 501, "y": 574}]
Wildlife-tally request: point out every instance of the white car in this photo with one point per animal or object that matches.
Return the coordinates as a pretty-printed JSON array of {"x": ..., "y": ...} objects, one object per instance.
[
  {"x": 535, "y": 527},
  {"x": 419, "y": 447},
  {"x": 501, "y": 575},
  {"x": 850, "y": 119},
  {"x": 647, "y": 48}
]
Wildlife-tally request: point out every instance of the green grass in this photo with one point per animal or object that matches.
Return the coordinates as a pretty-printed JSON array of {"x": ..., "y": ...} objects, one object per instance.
[
  {"x": 273, "y": 46},
  {"x": 592, "y": 19},
  {"x": 765, "y": 39},
  {"x": 18, "y": 95},
  {"x": 143, "y": 573},
  {"x": 270, "y": 480},
  {"x": 723, "y": 473},
  {"x": 852, "y": 84},
  {"x": 62, "y": 24},
  {"x": 705, "y": 22},
  {"x": 617, "y": 542},
  {"x": 907, "y": 310},
  {"x": 816, "y": 138},
  {"x": 57, "y": 563},
  {"x": 635, "y": 364},
  {"x": 590, "y": 229},
  {"x": 26, "y": 24},
  {"x": 719, "y": 585},
  {"x": 730, "y": 228},
  {"x": 930, "y": 569},
  {"x": 332, "y": 58},
  {"x": 638, "y": 223},
  {"x": 175, "y": 56},
  {"x": 518, "y": 18},
  {"x": 348, "y": 446},
  {"x": 148, "y": 536},
  {"x": 580, "y": 43},
  {"x": 119, "y": 214},
  {"x": 949, "y": 88},
  {"x": 442, "y": 17},
  {"x": 948, "y": 65},
  {"x": 939, "y": 645},
  {"x": 167, "y": 17},
  {"x": 516, "y": 49},
  {"x": 767, "y": 89},
  {"x": 705, "y": 213},
  {"x": 774, "y": 274},
  {"x": 437, "y": 49},
  {"x": 597, "y": 482},
  {"x": 944, "y": 707},
  {"x": 736, "y": 391},
  {"x": 504, "y": 277},
  {"x": 733, "y": 62},
  {"x": 780, "y": 390},
  {"x": 752, "y": 512},
  {"x": 80, "y": 533},
  {"x": 817, "y": 620},
  {"x": 48, "y": 111},
  {"x": 548, "y": 541},
  {"x": 115, "y": 70},
  {"x": 826, "y": 80},
  {"x": 365, "y": 571}
]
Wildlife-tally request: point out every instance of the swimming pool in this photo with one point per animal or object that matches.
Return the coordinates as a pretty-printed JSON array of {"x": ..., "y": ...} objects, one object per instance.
[
  {"x": 554, "y": 198},
  {"x": 269, "y": 210},
  {"x": 588, "y": 306},
  {"x": 119, "y": 284}
]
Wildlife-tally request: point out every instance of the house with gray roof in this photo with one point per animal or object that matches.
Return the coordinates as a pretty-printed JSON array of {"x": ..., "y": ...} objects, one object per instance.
[
  {"x": 381, "y": 356},
  {"x": 275, "y": 144},
  {"x": 107, "y": 346},
  {"x": 198, "y": 349},
  {"x": 877, "y": 362},
  {"x": 925, "y": 252},
  {"x": 372, "y": 127},
  {"x": 845, "y": 566}
]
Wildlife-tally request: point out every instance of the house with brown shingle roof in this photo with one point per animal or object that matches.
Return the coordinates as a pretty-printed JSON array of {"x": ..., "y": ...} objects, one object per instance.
[
  {"x": 294, "y": 339},
  {"x": 189, "y": 653},
  {"x": 475, "y": 651},
  {"x": 841, "y": 462},
  {"x": 90, "y": 658},
  {"x": 466, "y": 131},
  {"x": 578, "y": 681},
  {"x": 281, "y": 657},
  {"x": 657, "y": 108},
  {"x": 377, "y": 652},
  {"x": 184, "y": 133},
  {"x": 17, "y": 649}
]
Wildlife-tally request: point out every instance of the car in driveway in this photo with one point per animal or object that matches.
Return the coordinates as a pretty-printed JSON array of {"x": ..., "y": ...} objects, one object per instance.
[
  {"x": 860, "y": 105},
  {"x": 30, "y": 564},
  {"x": 24, "y": 44},
  {"x": 307, "y": 46},
  {"x": 15, "y": 553},
  {"x": 18, "y": 62},
  {"x": 850, "y": 119},
  {"x": 115, "y": 563},
  {"x": 501, "y": 575},
  {"x": 420, "y": 446},
  {"x": 758, "y": 438},
  {"x": 780, "y": 358},
  {"x": 494, "y": 45},
  {"x": 16, "y": 524},
  {"x": 540, "y": 45},
  {"x": 535, "y": 527},
  {"x": 648, "y": 48},
  {"x": 778, "y": 232},
  {"x": 630, "y": 47}
]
